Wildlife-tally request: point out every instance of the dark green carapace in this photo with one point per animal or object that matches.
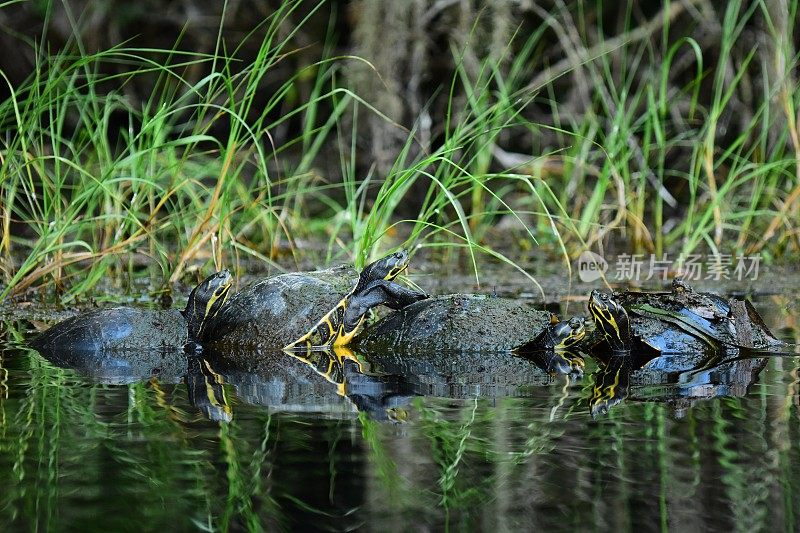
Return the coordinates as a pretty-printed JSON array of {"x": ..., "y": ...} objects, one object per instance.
[
  {"x": 307, "y": 309},
  {"x": 131, "y": 329}
]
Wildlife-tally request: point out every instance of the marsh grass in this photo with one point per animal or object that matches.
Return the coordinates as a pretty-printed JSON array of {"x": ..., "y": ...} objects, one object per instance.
[{"x": 80, "y": 195}]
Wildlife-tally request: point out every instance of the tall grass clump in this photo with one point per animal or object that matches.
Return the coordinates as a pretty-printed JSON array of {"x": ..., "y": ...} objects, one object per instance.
[
  {"x": 648, "y": 136},
  {"x": 164, "y": 184},
  {"x": 552, "y": 133}
]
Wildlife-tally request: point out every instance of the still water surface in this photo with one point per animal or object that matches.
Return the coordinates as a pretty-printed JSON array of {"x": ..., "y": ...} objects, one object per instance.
[{"x": 394, "y": 444}]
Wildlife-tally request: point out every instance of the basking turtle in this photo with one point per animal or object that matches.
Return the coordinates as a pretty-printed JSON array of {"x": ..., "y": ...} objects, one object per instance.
[
  {"x": 625, "y": 332},
  {"x": 468, "y": 322},
  {"x": 283, "y": 312},
  {"x": 680, "y": 322},
  {"x": 132, "y": 329},
  {"x": 374, "y": 287},
  {"x": 555, "y": 349},
  {"x": 671, "y": 345}
]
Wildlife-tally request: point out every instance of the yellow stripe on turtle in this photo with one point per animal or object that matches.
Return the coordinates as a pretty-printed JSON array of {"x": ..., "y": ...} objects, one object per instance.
[
  {"x": 328, "y": 331},
  {"x": 604, "y": 317},
  {"x": 571, "y": 340},
  {"x": 211, "y": 393},
  {"x": 603, "y": 392},
  {"x": 222, "y": 293}
]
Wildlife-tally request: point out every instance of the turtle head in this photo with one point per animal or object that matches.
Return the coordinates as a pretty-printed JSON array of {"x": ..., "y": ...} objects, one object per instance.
[
  {"x": 386, "y": 268},
  {"x": 679, "y": 286},
  {"x": 551, "y": 350},
  {"x": 567, "y": 333},
  {"x": 611, "y": 319},
  {"x": 205, "y": 301}
]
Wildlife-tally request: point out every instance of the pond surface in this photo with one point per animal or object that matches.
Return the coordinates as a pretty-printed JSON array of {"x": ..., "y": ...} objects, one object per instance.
[{"x": 396, "y": 444}]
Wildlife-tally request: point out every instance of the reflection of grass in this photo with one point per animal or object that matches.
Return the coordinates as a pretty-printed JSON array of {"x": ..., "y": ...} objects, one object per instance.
[
  {"x": 85, "y": 456},
  {"x": 449, "y": 444},
  {"x": 32, "y": 444},
  {"x": 243, "y": 489},
  {"x": 450, "y": 452},
  {"x": 386, "y": 468}
]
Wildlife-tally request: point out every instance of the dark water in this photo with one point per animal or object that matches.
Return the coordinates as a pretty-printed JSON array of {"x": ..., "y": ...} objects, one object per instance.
[{"x": 393, "y": 444}]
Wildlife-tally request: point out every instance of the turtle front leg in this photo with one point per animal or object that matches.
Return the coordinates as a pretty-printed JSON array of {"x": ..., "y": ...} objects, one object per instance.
[
  {"x": 378, "y": 292},
  {"x": 392, "y": 295}
]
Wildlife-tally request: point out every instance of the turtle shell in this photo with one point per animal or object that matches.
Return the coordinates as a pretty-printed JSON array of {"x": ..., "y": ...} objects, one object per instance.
[
  {"x": 120, "y": 329},
  {"x": 706, "y": 315},
  {"x": 456, "y": 322},
  {"x": 666, "y": 337},
  {"x": 676, "y": 321},
  {"x": 273, "y": 312}
]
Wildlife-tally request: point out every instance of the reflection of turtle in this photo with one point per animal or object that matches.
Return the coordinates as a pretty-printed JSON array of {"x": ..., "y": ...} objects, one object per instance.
[
  {"x": 381, "y": 396},
  {"x": 331, "y": 383},
  {"x": 339, "y": 382},
  {"x": 567, "y": 362},
  {"x": 468, "y": 322},
  {"x": 628, "y": 377},
  {"x": 284, "y": 311},
  {"x": 468, "y": 374},
  {"x": 131, "y": 329},
  {"x": 680, "y": 321},
  {"x": 206, "y": 390}
]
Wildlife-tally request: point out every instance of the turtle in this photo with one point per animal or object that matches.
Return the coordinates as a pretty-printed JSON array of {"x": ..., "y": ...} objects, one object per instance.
[
  {"x": 374, "y": 287},
  {"x": 555, "y": 349},
  {"x": 563, "y": 335},
  {"x": 468, "y": 322},
  {"x": 733, "y": 322},
  {"x": 679, "y": 322},
  {"x": 303, "y": 311},
  {"x": 123, "y": 329},
  {"x": 624, "y": 332}
]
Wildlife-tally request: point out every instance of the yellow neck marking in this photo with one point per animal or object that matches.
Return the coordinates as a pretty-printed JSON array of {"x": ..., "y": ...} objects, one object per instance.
[
  {"x": 211, "y": 301},
  {"x": 604, "y": 317}
]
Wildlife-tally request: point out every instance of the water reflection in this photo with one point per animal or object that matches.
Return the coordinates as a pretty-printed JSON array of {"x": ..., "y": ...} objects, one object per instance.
[
  {"x": 487, "y": 442},
  {"x": 340, "y": 382},
  {"x": 380, "y": 385},
  {"x": 206, "y": 390},
  {"x": 638, "y": 377}
]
